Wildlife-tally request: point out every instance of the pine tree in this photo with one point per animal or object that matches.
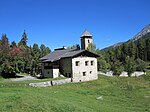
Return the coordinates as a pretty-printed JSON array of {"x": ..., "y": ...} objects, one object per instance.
[
  {"x": 118, "y": 53},
  {"x": 44, "y": 50},
  {"x": 124, "y": 51},
  {"x": 148, "y": 48},
  {"x": 141, "y": 49},
  {"x": 13, "y": 44},
  {"x": 132, "y": 49},
  {"x": 6, "y": 65},
  {"x": 141, "y": 65},
  {"x": 4, "y": 43},
  {"x": 130, "y": 65},
  {"x": 23, "y": 41},
  {"x": 117, "y": 68}
]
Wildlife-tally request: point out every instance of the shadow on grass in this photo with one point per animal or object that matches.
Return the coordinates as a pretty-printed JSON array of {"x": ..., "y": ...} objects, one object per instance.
[{"x": 10, "y": 75}]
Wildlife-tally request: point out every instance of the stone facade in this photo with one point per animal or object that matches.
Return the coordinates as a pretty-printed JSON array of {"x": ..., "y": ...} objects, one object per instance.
[
  {"x": 84, "y": 69},
  {"x": 85, "y": 42},
  {"x": 79, "y": 68}
]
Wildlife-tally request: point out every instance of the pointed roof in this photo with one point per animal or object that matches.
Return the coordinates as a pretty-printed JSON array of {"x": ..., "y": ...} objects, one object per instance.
[{"x": 86, "y": 34}]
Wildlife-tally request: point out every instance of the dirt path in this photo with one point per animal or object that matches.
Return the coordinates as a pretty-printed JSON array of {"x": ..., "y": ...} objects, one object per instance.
[{"x": 24, "y": 78}]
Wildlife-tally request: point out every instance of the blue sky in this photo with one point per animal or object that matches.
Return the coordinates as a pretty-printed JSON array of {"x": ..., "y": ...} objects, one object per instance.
[{"x": 58, "y": 23}]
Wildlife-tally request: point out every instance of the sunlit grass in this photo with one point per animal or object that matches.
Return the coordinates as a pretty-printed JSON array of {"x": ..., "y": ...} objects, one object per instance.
[{"x": 117, "y": 94}]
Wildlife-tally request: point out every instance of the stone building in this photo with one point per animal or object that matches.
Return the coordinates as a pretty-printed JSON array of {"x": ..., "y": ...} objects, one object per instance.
[
  {"x": 86, "y": 39},
  {"x": 79, "y": 65}
]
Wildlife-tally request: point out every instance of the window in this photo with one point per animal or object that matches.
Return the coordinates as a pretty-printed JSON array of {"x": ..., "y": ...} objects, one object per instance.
[
  {"x": 90, "y": 72},
  {"x": 92, "y": 62},
  {"x": 77, "y": 63},
  {"x": 86, "y": 63},
  {"x": 47, "y": 72},
  {"x": 88, "y": 41},
  {"x": 84, "y": 73}
]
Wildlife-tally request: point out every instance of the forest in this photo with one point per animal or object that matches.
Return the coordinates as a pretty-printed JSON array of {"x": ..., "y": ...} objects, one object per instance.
[
  {"x": 130, "y": 56},
  {"x": 19, "y": 57}
]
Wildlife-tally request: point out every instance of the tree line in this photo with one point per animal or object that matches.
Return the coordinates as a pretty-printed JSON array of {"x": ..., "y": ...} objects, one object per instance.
[
  {"x": 130, "y": 56},
  {"x": 19, "y": 57}
]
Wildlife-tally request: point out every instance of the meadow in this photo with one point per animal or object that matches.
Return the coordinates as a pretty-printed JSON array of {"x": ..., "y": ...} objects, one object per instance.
[{"x": 107, "y": 94}]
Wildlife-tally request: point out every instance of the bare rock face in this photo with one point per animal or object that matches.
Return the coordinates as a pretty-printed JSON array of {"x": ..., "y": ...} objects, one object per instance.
[{"x": 142, "y": 33}]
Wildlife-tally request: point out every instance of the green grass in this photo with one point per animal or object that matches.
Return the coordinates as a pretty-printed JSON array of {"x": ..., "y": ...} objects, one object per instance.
[{"x": 118, "y": 95}]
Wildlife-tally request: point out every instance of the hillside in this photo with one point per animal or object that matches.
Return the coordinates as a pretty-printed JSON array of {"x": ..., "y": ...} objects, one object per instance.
[
  {"x": 107, "y": 94},
  {"x": 141, "y": 34},
  {"x": 145, "y": 32}
]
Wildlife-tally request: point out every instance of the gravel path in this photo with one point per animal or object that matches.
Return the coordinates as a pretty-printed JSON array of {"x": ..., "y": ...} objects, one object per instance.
[{"x": 24, "y": 78}]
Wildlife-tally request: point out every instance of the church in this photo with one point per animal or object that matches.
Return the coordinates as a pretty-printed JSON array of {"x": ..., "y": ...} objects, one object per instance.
[{"x": 79, "y": 65}]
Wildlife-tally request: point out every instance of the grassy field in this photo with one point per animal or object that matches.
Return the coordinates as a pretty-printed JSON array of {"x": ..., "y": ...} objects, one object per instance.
[{"x": 107, "y": 94}]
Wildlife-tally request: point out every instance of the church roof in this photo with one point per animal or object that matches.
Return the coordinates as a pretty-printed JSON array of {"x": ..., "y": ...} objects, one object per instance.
[
  {"x": 86, "y": 33},
  {"x": 67, "y": 53}
]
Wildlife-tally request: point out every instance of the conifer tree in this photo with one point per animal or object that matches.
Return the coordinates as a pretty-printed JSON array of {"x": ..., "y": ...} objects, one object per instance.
[
  {"x": 141, "y": 49},
  {"x": 132, "y": 49},
  {"x": 148, "y": 48}
]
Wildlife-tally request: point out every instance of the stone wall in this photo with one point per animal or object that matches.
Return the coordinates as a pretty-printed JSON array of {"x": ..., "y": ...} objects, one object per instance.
[
  {"x": 124, "y": 74},
  {"x": 50, "y": 83},
  {"x": 84, "y": 72},
  {"x": 59, "y": 82},
  {"x": 85, "y": 42}
]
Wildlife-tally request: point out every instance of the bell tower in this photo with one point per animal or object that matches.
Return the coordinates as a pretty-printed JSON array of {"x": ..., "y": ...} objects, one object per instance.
[{"x": 86, "y": 39}]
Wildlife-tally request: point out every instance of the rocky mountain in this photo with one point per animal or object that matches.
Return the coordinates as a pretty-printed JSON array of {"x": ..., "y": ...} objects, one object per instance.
[{"x": 145, "y": 31}]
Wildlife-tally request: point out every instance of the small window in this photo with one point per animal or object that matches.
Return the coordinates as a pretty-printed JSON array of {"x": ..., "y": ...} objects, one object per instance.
[
  {"x": 47, "y": 72},
  {"x": 90, "y": 72},
  {"x": 77, "y": 63},
  {"x": 88, "y": 41},
  {"x": 92, "y": 62},
  {"x": 86, "y": 63},
  {"x": 84, "y": 73}
]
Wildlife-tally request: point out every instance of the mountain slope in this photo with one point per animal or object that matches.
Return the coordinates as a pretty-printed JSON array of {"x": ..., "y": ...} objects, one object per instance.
[
  {"x": 145, "y": 32},
  {"x": 142, "y": 33},
  {"x": 113, "y": 46}
]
